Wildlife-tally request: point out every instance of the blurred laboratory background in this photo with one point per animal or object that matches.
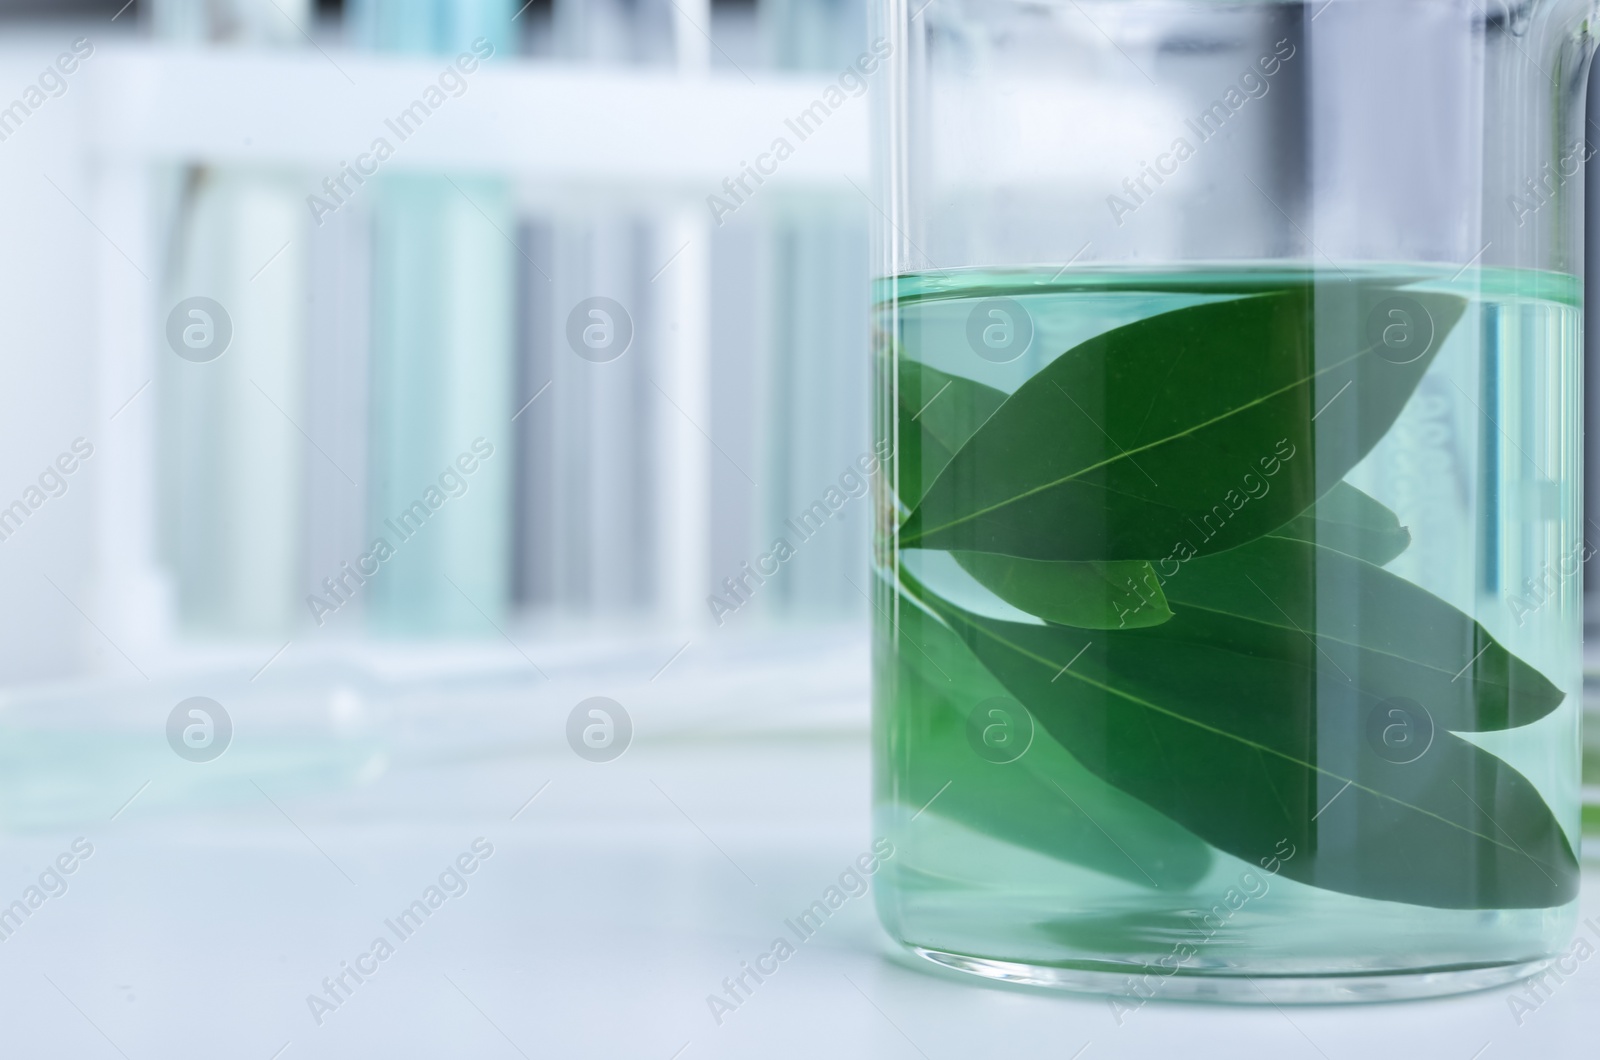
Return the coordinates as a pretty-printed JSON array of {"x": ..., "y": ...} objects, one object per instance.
[
  {"x": 384, "y": 308},
  {"x": 381, "y": 323},
  {"x": 520, "y": 291}
]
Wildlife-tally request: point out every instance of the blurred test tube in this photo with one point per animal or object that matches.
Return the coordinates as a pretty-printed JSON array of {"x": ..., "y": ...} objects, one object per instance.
[{"x": 441, "y": 354}]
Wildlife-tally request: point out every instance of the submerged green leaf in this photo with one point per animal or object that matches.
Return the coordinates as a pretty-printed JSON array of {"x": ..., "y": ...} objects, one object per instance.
[
  {"x": 1045, "y": 801},
  {"x": 948, "y": 407},
  {"x": 1207, "y": 426},
  {"x": 938, "y": 413},
  {"x": 1313, "y": 606},
  {"x": 1249, "y": 751},
  {"x": 1349, "y": 521}
]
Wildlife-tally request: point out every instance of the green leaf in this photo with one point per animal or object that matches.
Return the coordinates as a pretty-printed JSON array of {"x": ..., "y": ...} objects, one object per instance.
[
  {"x": 1247, "y": 752},
  {"x": 938, "y": 413},
  {"x": 1210, "y": 425},
  {"x": 948, "y": 407},
  {"x": 1097, "y": 594},
  {"x": 1317, "y": 607},
  {"x": 1349, "y": 521},
  {"x": 1044, "y": 801}
]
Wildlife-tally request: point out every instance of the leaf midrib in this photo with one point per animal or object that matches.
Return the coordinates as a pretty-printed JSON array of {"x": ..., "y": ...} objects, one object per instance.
[
  {"x": 1324, "y": 636},
  {"x": 1125, "y": 453}
]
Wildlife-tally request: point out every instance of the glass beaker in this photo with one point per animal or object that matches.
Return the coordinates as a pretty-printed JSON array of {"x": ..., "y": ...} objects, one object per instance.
[{"x": 1227, "y": 599}]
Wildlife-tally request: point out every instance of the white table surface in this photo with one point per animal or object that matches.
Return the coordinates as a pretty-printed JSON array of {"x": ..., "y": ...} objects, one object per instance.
[{"x": 223, "y": 893}]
